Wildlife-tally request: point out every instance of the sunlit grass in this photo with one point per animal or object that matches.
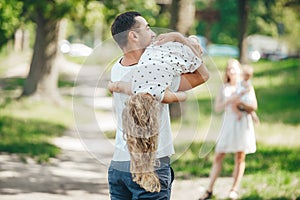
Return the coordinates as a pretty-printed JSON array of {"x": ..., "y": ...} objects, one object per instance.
[
  {"x": 273, "y": 171},
  {"x": 277, "y": 185},
  {"x": 27, "y": 126}
]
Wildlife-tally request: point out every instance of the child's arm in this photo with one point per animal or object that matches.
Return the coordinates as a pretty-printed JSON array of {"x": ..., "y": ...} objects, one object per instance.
[
  {"x": 120, "y": 87},
  {"x": 249, "y": 107},
  {"x": 178, "y": 37},
  {"x": 170, "y": 97}
]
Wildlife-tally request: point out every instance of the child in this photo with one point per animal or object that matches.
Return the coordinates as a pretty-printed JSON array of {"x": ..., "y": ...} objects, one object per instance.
[
  {"x": 150, "y": 83},
  {"x": 243, "y": 92}
]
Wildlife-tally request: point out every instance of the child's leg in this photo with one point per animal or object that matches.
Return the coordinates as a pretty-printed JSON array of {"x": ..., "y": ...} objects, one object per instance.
[{"x": 255, "y": 118}]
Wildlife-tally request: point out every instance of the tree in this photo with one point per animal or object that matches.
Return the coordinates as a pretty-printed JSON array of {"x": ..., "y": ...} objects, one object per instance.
[
  {"x": 182, "y": 15},
  {"x": 149, "y": 9},
  {"x": 182, "y": 19},
  {"x": 10, "y": 11},
  {"x": 242, "y": 30},
  {"x": 43, "y": 75},
  {"x": 47, "y": 15}
]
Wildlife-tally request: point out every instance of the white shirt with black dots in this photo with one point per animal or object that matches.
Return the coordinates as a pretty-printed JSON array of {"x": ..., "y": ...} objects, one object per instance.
[{"x": 159, "y": 65}]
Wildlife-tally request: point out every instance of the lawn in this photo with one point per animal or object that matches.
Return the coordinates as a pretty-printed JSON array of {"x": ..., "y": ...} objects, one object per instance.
[
  {"x": 273, "y": 171},
  {"x": 27, "y": 126}
]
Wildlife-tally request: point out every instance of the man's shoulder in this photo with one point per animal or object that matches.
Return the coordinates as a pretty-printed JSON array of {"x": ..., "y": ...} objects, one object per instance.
[
  {"x": 116, "y": 64},
  {"x": 120, "y": 72}
]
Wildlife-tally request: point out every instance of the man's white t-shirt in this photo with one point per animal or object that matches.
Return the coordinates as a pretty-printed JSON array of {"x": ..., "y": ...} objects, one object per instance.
[{"x": 165, "y": 143}]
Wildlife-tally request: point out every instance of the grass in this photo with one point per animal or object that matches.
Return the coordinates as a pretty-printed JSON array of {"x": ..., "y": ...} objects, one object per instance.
[
  {"x": 273, "y": 171},
  {"x": 26, "y": 128},
  {"x": 27, "y": 125},
  {"x": 279, "y": 159},
  {"x": 277, "y": 89},
  {"x": 29, "y": 137}
]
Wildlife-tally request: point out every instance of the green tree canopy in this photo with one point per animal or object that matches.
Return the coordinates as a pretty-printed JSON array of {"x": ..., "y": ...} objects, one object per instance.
[
  {"x": 10, "y": 12},
  {"x": 271, "y": 17}
]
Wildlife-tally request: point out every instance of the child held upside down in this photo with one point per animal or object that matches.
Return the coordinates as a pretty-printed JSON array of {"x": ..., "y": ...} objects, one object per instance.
[
  {"x": 149, "y": 86},
  {"x": 243, "y": 91}
]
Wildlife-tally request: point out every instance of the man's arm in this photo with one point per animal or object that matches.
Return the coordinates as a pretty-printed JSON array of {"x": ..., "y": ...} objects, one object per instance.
[{"x": 190, "y": 80}]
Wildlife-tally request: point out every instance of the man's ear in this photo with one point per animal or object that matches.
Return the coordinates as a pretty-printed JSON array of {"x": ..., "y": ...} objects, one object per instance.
[{"x": 132, "y": 35}]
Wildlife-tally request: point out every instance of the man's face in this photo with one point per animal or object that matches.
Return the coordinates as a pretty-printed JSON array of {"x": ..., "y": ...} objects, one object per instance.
[{"x": 144, "y": 32}]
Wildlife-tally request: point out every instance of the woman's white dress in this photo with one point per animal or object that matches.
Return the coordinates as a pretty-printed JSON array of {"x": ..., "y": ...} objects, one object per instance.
[{"x": 235, "y": 135}]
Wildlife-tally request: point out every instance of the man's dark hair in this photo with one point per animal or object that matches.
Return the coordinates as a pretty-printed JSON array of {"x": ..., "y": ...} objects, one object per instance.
[{"x": 122, "y": 24}]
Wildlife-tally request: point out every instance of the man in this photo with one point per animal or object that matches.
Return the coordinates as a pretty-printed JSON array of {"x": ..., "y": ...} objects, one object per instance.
[{"x": 133, "y": 34}]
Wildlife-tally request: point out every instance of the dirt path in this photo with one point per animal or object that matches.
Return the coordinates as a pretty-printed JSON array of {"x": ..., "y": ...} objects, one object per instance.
[
  {"x": 76, "y": 174},
  {"x": 80, "y": 172}
]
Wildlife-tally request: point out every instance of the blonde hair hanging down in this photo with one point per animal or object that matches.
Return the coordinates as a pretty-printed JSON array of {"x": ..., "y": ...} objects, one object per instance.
[{"x": 141, "y": 129}]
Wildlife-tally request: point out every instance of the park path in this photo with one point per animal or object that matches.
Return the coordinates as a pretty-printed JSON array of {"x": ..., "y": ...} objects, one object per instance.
[{"x": 80, "y": 172}]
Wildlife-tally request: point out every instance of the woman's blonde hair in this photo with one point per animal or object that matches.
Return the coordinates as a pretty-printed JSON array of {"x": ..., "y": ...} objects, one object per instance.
[
  {"x": 141, "y": 129},
  {"x": 234, "y": 63}
]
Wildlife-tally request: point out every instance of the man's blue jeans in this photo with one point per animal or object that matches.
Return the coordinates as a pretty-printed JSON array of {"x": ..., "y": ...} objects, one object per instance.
[{"x": 122, "y": 187}]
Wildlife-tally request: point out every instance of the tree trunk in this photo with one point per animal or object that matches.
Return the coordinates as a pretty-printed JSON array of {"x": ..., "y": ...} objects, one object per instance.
[
  {"x": 21, "y": 40},
  {"x": 182, "y": 19},
  {"x": 183, "y": 15},
  {"x": 18, "y": 40},
  {"x": 243, "y": 16},
  {"x": 174, "y": 14},
  {"x": 43, "y": 75}
]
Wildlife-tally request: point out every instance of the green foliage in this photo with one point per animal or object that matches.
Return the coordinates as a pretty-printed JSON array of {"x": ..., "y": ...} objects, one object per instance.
[
  {"x": 15, "y": 13},
  {"x": 272, "y": 18},
  {"x": 148, "y": 9},
  {"x": 51, "y": 10},
  {"x": 86, "y": 20},
  {"x": 10, "y": 11}
]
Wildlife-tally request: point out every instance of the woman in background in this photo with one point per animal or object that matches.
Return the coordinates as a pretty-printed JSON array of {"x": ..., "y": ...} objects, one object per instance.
[{"x": 237, "y": 135}]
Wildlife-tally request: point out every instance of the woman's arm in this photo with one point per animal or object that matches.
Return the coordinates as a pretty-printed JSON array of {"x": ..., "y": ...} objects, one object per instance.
[
  {"x": 221, "y": 102},
  {"x": 120, "y": 87}
]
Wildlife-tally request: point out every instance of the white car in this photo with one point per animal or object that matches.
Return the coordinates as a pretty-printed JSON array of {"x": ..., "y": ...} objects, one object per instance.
[{"x": 75, "y": 49}]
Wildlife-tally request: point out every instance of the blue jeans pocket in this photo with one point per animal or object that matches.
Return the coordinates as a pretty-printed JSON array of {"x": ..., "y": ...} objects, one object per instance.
[{"x": 165, "y": 177}]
